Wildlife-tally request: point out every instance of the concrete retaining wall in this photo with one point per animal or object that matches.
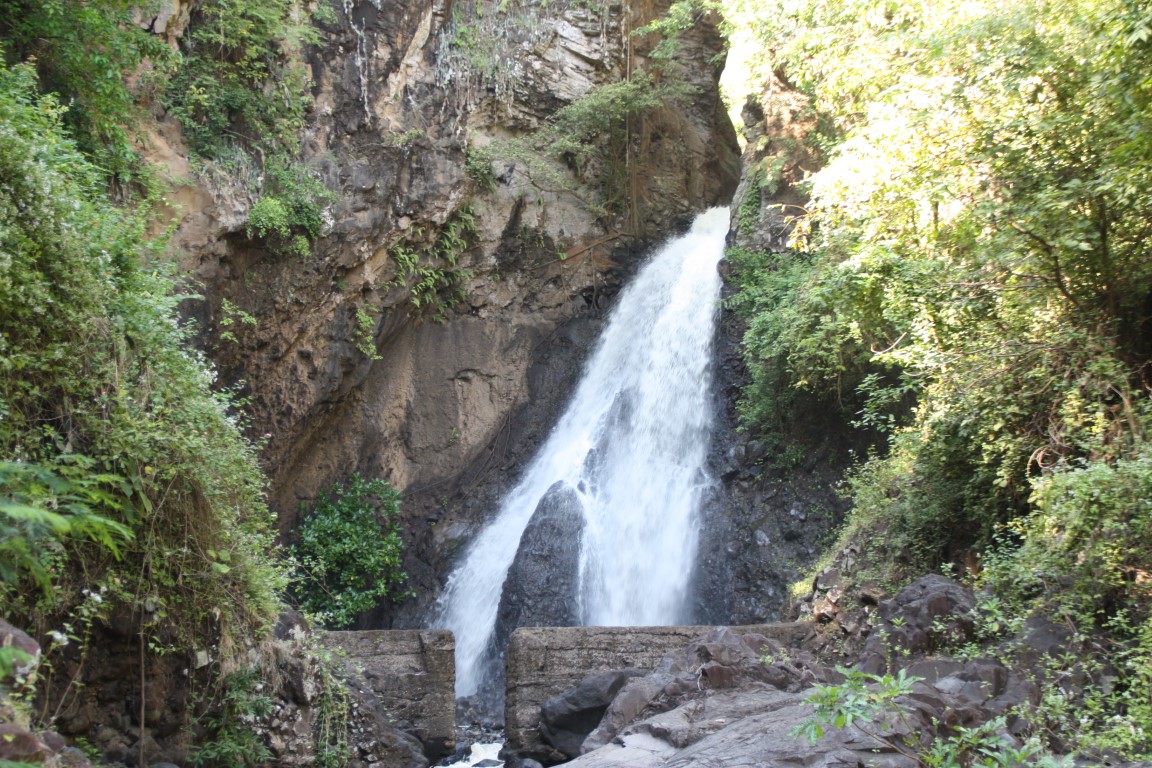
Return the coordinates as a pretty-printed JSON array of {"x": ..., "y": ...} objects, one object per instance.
[
  {"x": 542, "y": 662},
  {"x": 413, "y": 671},
  {"x": 414, "y": 674}
]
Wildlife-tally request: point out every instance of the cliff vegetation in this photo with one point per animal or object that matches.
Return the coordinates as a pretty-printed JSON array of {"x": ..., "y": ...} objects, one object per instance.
[
  {"x": 970, "y": 278},
  {"x": 132, "y": 505}
]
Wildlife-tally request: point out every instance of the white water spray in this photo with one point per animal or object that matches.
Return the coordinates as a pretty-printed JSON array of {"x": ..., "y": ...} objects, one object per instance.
[{"x": 632, "y": 444}]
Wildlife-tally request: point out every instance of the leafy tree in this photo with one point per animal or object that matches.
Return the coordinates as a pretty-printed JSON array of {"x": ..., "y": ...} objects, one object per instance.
[
  {"x": 351, "y": 551},
  {"x": 978, "y": 240},
  {"x": 979, "y": 229}
]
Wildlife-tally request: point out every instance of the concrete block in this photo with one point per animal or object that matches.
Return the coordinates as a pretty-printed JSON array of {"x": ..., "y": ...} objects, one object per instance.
[{"x": 413, "y": 672}]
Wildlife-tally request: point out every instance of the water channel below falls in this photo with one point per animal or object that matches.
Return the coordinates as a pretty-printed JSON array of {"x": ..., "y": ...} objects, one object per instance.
[{"x": 624, "y": 469}]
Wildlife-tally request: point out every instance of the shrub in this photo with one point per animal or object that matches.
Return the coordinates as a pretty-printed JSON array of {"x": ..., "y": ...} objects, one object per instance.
[
  {"x": 40, "y": 508},
  {"x": 235, "y": 743},
  {"x": 881, "y": 699},
  {"x": 82, "y": 52},
  {"x": 290, "y": 213},
  {"x": 350, "y": 551},
  {"x": 430, "y": 272},
  {"x": 108, "y": 416},
  {"x": 238, "y": 82}
]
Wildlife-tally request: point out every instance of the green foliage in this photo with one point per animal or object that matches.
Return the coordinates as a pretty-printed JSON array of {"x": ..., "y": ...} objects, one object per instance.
[
  {"x": 984, "y": 746},
  {"x": 238, "y": 82},
  {"x": 108, "y": 419},
  {"x": 748, "y": 214},
  {"x": 83, "y": 50},
  {"x": 861, "y": 698},
  {"x": 1127, "y": 718},
  {"x": 234, "y": 735},
  {"x": 604, "y": 109},
  {"x": 242, "y": 85},
  {"x": 334, "y": 708},
  {"x": 977, "y": 244},
  {"x": 794, "y": 338},
  {"x": 237, "y": 54},
  {"x": 970, "y": 244},
  {"x": 1082, "y": 557},
  {"x": 269, "y": 216},
  {"x": 405, "y": 140},
  {"x": 591, "y": 135},
  {"x": 12, "y": 659},
  {"x": 530, "y": 157},
  {"x": 230, "y": 314},
  {"x": 233, "y": 743},
  {"x": 39, "y": 508},
  {"x": 365, "y": 337},
  {"x": 350, "y": 550},
  {"x": 1109, "y": 713},
  {"x": 1090, "y": 528},
  {"x": 681, "y": 16},
  {"x": 290, "y": 213},
  {"x": 589, "y": 138},
  {"x": 478, "y": 166},
  {"x": 877, "y": 699},
  {"x": 430, "y": 274}
]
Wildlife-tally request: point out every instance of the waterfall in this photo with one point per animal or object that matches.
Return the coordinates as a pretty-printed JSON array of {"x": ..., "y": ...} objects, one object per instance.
[{"x": 632, "y": 446}]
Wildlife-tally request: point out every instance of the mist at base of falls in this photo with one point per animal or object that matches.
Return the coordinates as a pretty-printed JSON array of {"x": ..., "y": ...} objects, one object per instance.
[{"x": 630, "y": 448}]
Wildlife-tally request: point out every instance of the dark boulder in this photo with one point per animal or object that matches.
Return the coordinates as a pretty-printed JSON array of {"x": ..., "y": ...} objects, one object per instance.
[
  {"x": 721, "y": 660},
  {"x": 567, "y": 719},
  {"x": 290, "y": 623},
  {"x": 540, "y": 589},
  {"x": 931, "y": 613},
  {"x": 933, "y": 605}
]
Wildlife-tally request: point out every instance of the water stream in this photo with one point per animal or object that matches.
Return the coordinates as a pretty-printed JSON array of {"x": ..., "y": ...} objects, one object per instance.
[{"x": 632, "y": 444}]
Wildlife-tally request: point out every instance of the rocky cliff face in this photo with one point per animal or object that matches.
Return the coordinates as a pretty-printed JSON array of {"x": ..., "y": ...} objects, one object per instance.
[
  {"x": 444, "y": 410},
  {"x": 777, "y": 500}
]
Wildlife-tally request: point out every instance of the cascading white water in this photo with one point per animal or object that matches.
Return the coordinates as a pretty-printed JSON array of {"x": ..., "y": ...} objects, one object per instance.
[{"x": 632, "y": 444}]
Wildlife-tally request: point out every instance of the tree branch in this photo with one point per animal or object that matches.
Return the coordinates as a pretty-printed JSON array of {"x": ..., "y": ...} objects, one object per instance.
[{"x": 1049, "y": 249}]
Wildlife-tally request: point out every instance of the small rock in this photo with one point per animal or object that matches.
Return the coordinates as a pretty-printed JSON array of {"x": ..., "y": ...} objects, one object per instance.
[
  {"x": 287, "y": 624},
  {"x": 872, "y": 593},
  {"x": 12, "y": 637},
  {"x": 850, "y": 623},
  {"x": 52, "y": 740},
  {"x": 824, "y": 610},
  {"x": 70, "y": 757},
  {"x": 20, "y": 746},
  {"x": 933, "y": 670}
]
